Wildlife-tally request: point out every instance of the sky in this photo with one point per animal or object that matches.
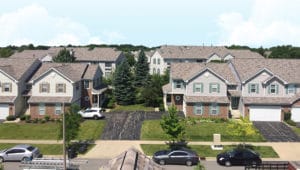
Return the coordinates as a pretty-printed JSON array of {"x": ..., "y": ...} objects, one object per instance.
[{"x": 151, "y": 23}]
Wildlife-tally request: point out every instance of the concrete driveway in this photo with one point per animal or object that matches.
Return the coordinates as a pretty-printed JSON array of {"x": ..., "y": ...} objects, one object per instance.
[{"x": 276, "y": 132}]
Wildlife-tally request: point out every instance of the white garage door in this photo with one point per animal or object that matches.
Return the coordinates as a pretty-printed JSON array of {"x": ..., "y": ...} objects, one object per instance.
[
  {"x": 295, "y": 114},
  {"x": 4, "y": 111},
  {"x": 265, "y": 113}
]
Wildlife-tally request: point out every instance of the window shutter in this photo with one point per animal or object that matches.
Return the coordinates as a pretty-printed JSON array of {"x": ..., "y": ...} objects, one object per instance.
[
  {"x": 269, "y": 89},
  {"x": 210, "y": 108},
  {"x": 56, "y": 88},
  {"x": 10, "y": 86},
  {"x": 218, "y": 109},
  {"x": 48, "y": 87},
  {"x": 249, "y": 86},
  {"x": 64, "y": 88},
  {"x": 201, "y": 87},
  {"x": 286, "y": 89},
  {"x": 194, "y": 109},
  {"x": 276, "y": 88},
  {"x": 194, "y": 87},
  {"x": 218, "y": 85},
  {"x": 210, "y": 87},
  {"x": 174, "y": 84},
  {"x": 40, "y": 88},
  {"x": 257, "y": 88}
]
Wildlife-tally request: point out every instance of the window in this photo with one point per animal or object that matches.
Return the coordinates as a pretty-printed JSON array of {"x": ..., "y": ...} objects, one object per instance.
[
  {"x": 6, "y": 87},
  {"x": 42, "y": 109},
  {"x": 44, "y": 88},
  {"x": 214, "y": 88},
  {"x": 158, "y": 61},
  {"x": 214, "y": 109},
  {"x": 291, "y": 89},
  {"x": 273, "y": 89},
  {"x": 253, "y": 88},
  {"x": 178, "y": 154},
  {"x": 60, "y": 88},
  {"x": 108, "y": 64},
  {"x": 198, "y": 87},
  {"x": 158, "y": 71},
  {"x": 77, "y": 86},
  {"x": 198, "y": 109},
  {"x": 177, "y": 84},
  {"x": 86, "y": 84},
  {"x": 58, "y": 109},
  {"x": 154, "y": 61}
]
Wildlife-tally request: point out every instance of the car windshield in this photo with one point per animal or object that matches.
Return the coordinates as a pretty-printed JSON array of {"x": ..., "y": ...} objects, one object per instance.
[
  {"x": 30, "y": 148},
  {"x": 231, "y": 153}
]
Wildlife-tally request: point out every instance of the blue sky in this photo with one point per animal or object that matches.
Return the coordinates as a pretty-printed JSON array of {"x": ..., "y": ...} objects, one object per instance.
[{"x": 153, "y": 22}]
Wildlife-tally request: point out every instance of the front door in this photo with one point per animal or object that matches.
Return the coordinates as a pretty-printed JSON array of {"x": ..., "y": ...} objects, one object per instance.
[{"x": 235, "y": 102}]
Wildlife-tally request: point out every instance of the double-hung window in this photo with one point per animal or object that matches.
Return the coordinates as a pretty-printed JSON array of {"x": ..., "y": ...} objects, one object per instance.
[
  {"x": 42, "y": 108},
  {"x": 214, "y": 109},
  {"x": 60, "y": 88},
  {"x": 177, "y": 84},
  {"x": 6, "y": 87},
  {"x": 198, "y": 87},
  {"x": 214, "y": 87},
  {"x": 253, "y": 88},
  {"x": 198, "y": 109},
  {"x": 44, "y": 87},
  {"x": 291, "y": 89},
  {"x": 58, "y": 108},
  {"x": 273, "y": 89}
]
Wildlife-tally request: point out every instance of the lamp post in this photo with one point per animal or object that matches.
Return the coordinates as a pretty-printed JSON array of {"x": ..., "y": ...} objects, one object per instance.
[{"x": 64, "y": 138}]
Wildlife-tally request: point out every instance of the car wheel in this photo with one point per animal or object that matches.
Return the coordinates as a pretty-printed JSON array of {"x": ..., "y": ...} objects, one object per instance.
[
  {"x": 254, "y": 164},
  {"x": 25, "y": 159},
  {"x": 96, "y": 117},
  {"x": 227, "y": 163},
  {"x": 189, "y": 163},
  {"x": 1, "y": 159},
  {"x": 162, "y": 162}
]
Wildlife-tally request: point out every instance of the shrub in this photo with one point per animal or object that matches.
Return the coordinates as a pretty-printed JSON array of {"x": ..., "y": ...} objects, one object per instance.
[
  {"x": 10, "y": 118},
  {"x": 36, "y": 120},
  {"x": 290, "y": 122},
  {"x": 161, "y": 107},
  {"x": 42, "y": 120},
  {"x": 287, "y": 116},
  {"x": 1, "y": 166},
  {"x": 22, "y": 117},
  {"x": 47, "y": 118}
]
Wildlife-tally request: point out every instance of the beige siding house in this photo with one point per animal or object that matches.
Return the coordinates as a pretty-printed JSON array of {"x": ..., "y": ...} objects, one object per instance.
[{"x": 13, "y": 76}]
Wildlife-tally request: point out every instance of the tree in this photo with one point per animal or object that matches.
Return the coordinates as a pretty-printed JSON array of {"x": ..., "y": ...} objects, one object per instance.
[
  {"x": 72, "y": 124},
  {"x": 241, "y": 128},
  {"x": 152, "y": 93},
  {"x": 124, "y": 91},
  {"x": 173, "y": 125},
  {"x": 141, "y": 70},
  {"x": 130, "y": 58},
  {"x": 64, "y": 56}
]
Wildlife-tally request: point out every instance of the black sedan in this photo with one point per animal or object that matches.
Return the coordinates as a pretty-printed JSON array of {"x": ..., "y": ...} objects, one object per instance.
[
  {"x": 239, "y": 156},
  {"x": 182, "y": 156}
]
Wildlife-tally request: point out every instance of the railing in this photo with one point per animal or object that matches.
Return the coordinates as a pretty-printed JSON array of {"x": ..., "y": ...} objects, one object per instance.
[{"x": 269, "y": 166}]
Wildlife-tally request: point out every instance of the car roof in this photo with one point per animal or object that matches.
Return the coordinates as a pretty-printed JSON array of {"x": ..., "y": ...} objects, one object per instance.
[{"x": 24, "y": 146}]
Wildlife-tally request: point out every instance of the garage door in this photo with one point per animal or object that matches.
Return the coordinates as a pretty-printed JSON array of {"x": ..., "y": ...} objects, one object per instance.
[
  {"x": 295, "y": 114},
  {"x": 4, "y": 111},
  {"x": 265, "y": 113}
]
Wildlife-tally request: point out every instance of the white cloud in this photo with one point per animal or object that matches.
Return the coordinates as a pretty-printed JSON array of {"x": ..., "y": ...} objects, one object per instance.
[
  {"x": 33, "y": 24},
  {"x": 271, "y": 22},
  {"x": 112, "y": 36}
]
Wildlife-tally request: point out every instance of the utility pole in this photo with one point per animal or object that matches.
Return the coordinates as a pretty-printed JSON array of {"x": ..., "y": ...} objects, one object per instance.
[{"x": 64, "y": 138}]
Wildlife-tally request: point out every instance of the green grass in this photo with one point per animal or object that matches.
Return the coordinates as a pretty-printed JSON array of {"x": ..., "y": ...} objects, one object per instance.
[
  {"x": 45, "y": 149},
  {"x": 137, "y": 107},
  {"x": 206, "y": 151},
  {"x": 296, "y": 130},
  {"x": 151, "y": 130},
  {"x": 90, "y": 129}
]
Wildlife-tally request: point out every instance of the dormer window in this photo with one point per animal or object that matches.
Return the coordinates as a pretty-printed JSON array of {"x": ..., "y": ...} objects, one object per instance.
[
  {"x": 273, "y": 89},
  {"x": 177, "y": 84}
]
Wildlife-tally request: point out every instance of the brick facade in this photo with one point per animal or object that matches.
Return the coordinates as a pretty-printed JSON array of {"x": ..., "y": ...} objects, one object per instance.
[
  {"x": 297, "y": 103},
  {"x": 224, "y": 108},
  {"x": 49, "y": 110}
]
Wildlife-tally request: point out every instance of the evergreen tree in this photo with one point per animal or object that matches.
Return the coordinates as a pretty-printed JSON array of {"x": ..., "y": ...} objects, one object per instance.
[
  {"x": 64, "y": 56},
  {"x": 123, "y": 87},
  {"x": 141, "y": 70}
]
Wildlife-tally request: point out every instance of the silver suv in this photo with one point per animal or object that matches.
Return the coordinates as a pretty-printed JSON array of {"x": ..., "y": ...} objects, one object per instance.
[
  {"x": 19, "y": 153},
  {"x": 93, "y": 112}
]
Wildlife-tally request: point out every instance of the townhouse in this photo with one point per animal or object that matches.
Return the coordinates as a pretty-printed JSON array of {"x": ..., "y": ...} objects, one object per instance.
[
  {"x": 42, "y": 55},
  {"x": 161, "y": 59},
  {"x": 14, "y": 73},
  {"x": 55, "y": 86},
  {"x": 106, "y": 58}
]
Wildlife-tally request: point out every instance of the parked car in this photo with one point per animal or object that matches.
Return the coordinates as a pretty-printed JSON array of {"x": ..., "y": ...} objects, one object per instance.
[
  {"x": 20, "y": 153},
  {"x": 93, "y": 112},
  {"x": 181, "y": 156},
  {"x": 239, "y": 156}
]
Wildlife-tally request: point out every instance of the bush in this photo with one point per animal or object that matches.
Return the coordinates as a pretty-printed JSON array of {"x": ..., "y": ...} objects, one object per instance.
[
  {"x": 10, "y": 118},
  {"x": 47, "y": 118},
  {"x": 291, "y": 122},
  {"x": 161, "y": 107},
  {"x": 36, "y": 120},
  {"x": 287, "y": 116},
  {"x": 22, "y": 117},
  {"x": 42, "y": 121},
  {"x": 1, "y": 166}
]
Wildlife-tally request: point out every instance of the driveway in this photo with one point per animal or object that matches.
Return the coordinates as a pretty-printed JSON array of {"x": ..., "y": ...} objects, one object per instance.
[{"x": 276, "y": 132}]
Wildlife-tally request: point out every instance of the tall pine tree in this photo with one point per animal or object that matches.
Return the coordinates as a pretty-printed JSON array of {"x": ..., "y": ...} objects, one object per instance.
[
  {"x": 64, "y": 56},
  {"x": 141, "y": 70},
  {"x": 123, "y": 84}
]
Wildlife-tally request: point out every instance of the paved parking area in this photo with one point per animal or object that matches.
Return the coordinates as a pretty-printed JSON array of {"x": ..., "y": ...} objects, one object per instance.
[{"x": 276, "y": 132}]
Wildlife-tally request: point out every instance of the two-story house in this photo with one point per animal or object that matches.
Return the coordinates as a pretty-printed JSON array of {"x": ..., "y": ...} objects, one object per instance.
[
  {"x": 162, "y": 58},
  {"x": 55, "y": 86},
  {"x": 269, "y": 87},
  {"x": 13, "y": 76},
  {"x": 200, "y": 89},
  {"x": 106, "y": 58}
]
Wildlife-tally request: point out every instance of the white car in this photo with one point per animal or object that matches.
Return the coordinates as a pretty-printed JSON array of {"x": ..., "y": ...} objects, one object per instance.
[{"x": 93, "y": 112}]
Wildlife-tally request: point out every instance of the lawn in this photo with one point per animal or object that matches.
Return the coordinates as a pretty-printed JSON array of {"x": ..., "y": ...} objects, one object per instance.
[
  {"x": 296, "y": 130},
  {"x": 137, "y": 107},
  {"x": 45, "y": 149},
  {"x": 203, "y": 131},
  {"x": 206, "y": 151},
  {"x": 90, "y": 129}
]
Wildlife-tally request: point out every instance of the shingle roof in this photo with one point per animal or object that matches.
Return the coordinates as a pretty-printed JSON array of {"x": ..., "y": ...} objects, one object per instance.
[
  {"x": 91, "y": 71},
  {"x": 15, "y": 67},
  {"x": 167, "y": 88},
  {"x": 267, "y": 100},
  {"x": 245, "y": 54},
  {"x": 39, "y": 99},
  {"x": 36, "y": 54},
  {"x": 7, "y": 99},
  {"x": 96, "y": 54},
  {"x": 287, "y": 69},
  {"x": 73, "y": 71},
  {"x": 207, "y": 99},
  {"x": 186, "y": 71}
]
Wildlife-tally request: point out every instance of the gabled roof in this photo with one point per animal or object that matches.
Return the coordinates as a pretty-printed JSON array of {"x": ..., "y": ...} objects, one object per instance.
[
  {"x": 91, "y": 71},
  {"x": 244, "y": 54},
  {"x": 71, "y": 71},
  {"x": 286, "y": 69},
  {"x": 7, "y": 99},
  {"x": 36, "y": 54},
  {"x": 96, "y": 54},
  {"x": 187, "y": 71},
  {"x": 15, "y": 68},
  {"x": 274, "y": 77}
]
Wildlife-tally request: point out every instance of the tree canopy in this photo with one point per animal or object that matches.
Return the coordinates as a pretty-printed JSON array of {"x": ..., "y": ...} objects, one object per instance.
[
  {"x": 141, "y": 70},
  {"x": 64, "y": 56}
]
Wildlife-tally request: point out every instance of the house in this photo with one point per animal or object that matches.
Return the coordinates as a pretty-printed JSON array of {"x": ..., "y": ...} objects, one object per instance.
[
  {"x": 42, "y": 55},
  {"x": 14, "y": 73},
  {"x": 162, "y": 58},
  {"x": 268, "y": 88},
  {"x": 200, "y": 89},
  {"x": 55, "y": 86},
  {"x": 106, "y": 58}
]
